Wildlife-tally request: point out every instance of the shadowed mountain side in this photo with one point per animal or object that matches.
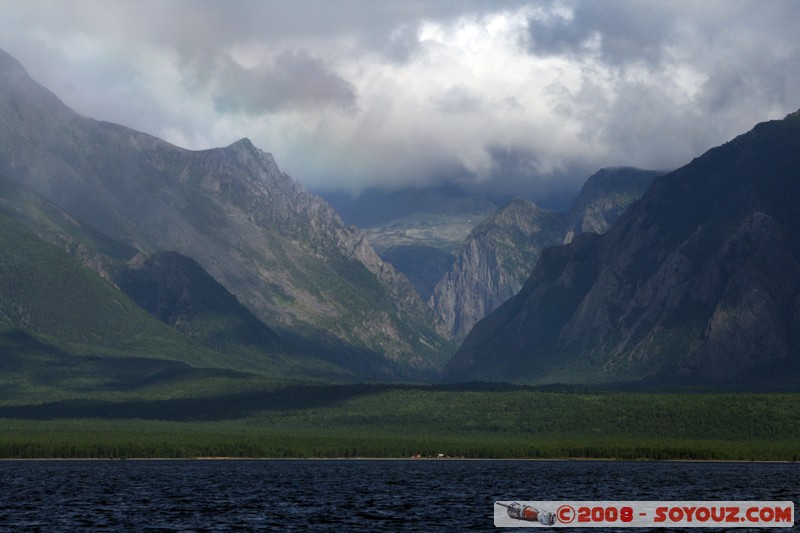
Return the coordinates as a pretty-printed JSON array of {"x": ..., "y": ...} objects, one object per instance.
[
  {"x": 34, "y": 370},
  {"x": 178, "y": 292},
  {"x": 499, "y": 255},
  {"x": 45, "y": 291},
  {"x": 699, "y": 280},
  {"x": 424, "y": 266}
]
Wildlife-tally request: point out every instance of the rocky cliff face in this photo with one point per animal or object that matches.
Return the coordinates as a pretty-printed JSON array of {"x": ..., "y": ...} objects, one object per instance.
[
  {"x": 699, "y": 282},
  {"x": 494, "y": 262},
  {"x": 282, "y": 251}
]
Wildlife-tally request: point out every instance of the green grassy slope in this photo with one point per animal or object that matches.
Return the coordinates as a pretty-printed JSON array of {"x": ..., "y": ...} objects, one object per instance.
[
  {"x": 35, "y": 370},
  {"x": 47, "y": 292},
  {"x": 65, "y": 331}
]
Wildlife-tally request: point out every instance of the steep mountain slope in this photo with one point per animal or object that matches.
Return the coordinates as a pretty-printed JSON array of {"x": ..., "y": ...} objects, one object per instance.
[
  {"x": 423, "y": 265},
  {"x": 699, "y": 281},
  {"x": 52, "y": 224},
  {"x": 282, "y": 251},
  {"x": 499, "y": 255},
  {"x": 178, "y": 292}
]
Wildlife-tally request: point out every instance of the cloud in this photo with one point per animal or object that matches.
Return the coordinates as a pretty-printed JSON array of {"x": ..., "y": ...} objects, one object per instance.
[
  {"x": 520, "y": 97},
  {"x": 401, "y": 45},
  {"x": 619, "y": 31},
  {"x": 457, "y": 100},
  {"x": 294, "y": 80}
]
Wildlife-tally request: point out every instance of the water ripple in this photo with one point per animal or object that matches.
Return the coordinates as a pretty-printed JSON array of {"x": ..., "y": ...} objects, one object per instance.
[{"x": 328, "y": 495}]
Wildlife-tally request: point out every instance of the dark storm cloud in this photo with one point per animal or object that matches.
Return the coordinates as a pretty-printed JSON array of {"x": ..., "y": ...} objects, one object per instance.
[
  {"x": 513, "y": 162},
  {"x": 768, "y": 79},
  {"x": 664, "y": 81},
  {"x": 625, "y": 31}
]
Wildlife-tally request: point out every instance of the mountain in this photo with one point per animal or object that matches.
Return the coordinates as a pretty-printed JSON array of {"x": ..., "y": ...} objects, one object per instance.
[
  {"x": 698, "y": 282},
  {"x": 283, "y": 252},
  {"x": 178, "y": 292},
  {"x": 419, "y": 230},
  {"x": 498, "y": 256},
  {"x": 53, "y": 225}
]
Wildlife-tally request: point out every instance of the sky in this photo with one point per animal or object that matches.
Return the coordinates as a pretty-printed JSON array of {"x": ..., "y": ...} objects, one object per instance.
[{"x": 525, "y": 98}]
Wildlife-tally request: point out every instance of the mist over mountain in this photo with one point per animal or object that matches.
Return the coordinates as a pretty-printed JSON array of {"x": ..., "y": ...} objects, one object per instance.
[
  {"x": 430, "y": 235},
  {"x": 698, "y": 282},
  {"x": 46, "y": 291},
  {"x": 283, "y": 252},
  {"x": 418, "y": 230}
]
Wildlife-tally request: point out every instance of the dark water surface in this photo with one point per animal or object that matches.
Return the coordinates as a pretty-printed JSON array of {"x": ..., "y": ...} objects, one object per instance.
[{"x": 424, "y": 495}]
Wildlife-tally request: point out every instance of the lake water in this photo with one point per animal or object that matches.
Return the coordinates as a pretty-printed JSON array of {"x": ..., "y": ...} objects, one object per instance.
[{"x": 298, "y": 495}]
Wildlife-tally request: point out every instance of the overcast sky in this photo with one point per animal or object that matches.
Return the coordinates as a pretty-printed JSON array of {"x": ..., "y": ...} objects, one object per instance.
[{"x": 528, "y": 97}]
